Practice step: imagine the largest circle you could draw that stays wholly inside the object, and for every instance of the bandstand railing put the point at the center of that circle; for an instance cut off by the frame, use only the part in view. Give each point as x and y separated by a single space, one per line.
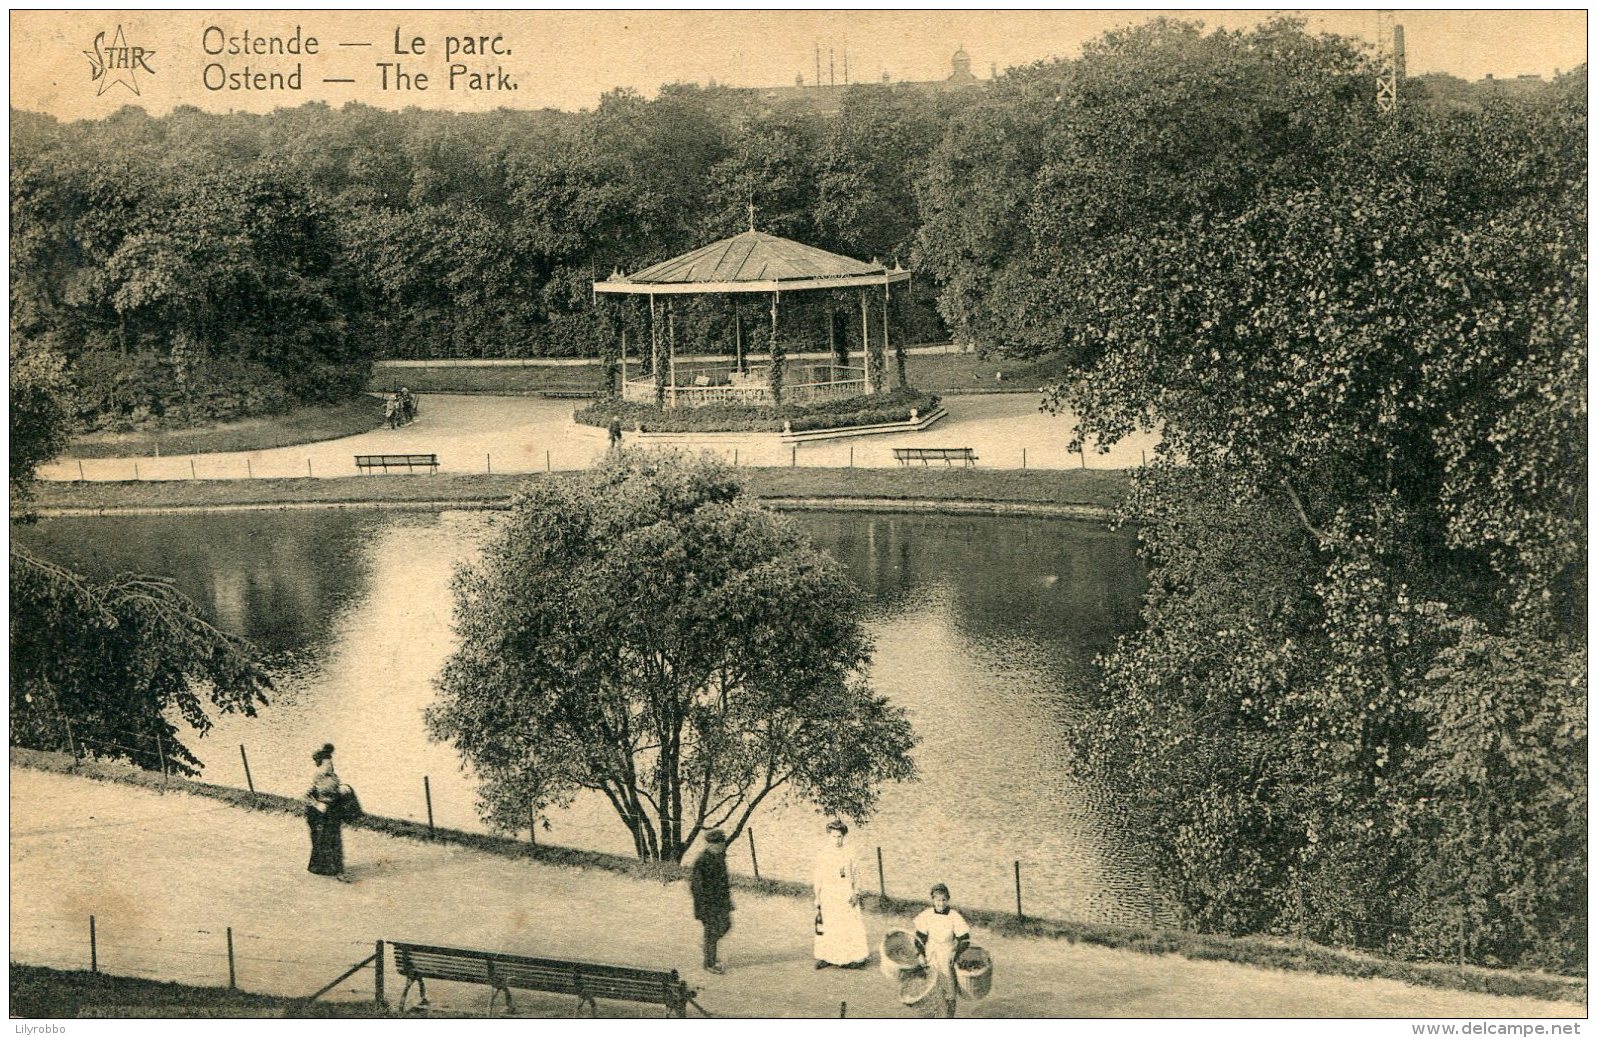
752 389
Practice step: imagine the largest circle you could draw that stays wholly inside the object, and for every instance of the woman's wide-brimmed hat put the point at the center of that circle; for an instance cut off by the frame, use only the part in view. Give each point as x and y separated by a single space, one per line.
322 754
716 837
837 825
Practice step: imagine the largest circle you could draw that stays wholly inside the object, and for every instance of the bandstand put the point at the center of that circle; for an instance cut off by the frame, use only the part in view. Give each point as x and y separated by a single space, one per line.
754 262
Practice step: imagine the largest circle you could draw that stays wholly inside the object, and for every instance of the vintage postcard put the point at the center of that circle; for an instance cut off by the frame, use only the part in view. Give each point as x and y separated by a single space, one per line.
799 515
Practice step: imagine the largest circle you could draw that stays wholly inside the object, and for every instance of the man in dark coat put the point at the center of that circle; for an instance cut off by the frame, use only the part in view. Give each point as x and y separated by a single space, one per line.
712 896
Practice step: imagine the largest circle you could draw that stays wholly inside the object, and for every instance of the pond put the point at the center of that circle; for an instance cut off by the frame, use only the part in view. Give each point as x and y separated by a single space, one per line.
985 632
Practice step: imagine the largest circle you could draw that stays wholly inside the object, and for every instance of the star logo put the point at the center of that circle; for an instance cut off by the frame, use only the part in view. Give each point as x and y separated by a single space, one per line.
117 63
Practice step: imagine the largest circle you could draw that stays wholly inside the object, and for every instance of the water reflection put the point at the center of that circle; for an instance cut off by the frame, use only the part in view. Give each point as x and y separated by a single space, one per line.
985 631
277 578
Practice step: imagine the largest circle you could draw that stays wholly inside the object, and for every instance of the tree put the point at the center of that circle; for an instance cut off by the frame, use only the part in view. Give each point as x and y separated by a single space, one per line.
41 414
1063 160
1363 654
646 632
115 660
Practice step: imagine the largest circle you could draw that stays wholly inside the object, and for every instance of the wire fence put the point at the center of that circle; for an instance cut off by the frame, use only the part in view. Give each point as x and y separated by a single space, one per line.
1140 906
204 956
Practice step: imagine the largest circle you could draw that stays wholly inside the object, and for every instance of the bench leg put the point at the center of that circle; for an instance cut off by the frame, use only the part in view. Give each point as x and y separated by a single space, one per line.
421 987
587 1000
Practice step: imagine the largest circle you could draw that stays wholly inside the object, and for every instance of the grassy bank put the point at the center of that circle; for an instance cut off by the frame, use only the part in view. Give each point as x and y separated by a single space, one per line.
498 379
1273 953
1094 489
39 992
928 372
301 425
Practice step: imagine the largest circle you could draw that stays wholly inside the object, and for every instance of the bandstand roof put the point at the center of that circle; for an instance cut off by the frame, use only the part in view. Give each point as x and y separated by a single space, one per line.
752 262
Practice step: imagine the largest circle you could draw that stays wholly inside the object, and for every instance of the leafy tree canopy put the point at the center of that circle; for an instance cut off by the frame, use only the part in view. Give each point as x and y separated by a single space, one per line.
105 666
646 632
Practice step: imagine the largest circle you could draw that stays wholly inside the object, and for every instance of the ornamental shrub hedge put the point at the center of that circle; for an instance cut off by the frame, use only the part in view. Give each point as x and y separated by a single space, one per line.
832 414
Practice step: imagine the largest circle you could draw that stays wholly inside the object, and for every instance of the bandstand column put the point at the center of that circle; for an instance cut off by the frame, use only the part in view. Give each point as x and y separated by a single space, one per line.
887 295
865 338
655 367
671 344
774 379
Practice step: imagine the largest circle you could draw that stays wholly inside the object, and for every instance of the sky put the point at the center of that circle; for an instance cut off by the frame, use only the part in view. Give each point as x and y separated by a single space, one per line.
63 65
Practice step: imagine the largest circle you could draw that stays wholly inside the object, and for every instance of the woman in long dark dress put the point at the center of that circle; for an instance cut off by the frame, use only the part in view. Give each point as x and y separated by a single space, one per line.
323 816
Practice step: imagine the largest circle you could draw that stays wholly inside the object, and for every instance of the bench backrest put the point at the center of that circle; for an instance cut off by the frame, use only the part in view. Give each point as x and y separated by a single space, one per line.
560 976
396 459
931 452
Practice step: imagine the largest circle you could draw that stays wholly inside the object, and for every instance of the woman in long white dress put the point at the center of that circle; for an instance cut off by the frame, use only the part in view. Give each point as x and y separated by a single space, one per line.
839 923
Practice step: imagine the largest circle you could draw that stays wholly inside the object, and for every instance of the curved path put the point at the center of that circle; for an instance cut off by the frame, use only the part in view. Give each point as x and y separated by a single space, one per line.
166 875
530 434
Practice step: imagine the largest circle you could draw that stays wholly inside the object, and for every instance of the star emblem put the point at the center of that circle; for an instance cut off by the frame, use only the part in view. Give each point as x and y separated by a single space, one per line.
117 63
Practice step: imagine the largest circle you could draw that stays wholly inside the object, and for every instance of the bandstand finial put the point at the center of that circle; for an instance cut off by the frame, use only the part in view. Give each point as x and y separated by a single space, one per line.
751 215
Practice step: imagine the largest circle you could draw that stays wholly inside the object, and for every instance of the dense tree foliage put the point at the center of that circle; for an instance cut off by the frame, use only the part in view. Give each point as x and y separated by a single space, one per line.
40 414
1357 709
102 667
220 265
646 632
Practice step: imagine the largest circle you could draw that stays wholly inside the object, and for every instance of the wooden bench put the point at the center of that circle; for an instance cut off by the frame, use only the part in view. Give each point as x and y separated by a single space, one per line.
570 394
925 455
589 981
408 462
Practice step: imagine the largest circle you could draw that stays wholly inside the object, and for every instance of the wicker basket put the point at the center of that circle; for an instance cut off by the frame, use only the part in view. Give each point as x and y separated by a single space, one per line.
973 973
917 986
899 956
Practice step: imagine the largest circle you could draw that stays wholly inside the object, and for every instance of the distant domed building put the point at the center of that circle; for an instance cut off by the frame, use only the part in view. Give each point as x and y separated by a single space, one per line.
962 74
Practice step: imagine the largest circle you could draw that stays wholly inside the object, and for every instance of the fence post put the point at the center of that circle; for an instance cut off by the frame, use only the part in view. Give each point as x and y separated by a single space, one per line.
881 875
548 466
1084 455
249 470
427 788
1020 916
160 749
377 986
842 1010
754 855
1022 457
72 744
490 464
249 780
1144 457
734 459
795 455
232 969
135 471
94 948
81 477
192 473
308 467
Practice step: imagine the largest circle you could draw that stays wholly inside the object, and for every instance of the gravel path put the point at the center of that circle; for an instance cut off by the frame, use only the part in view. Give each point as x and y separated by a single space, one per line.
530 434
165 875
